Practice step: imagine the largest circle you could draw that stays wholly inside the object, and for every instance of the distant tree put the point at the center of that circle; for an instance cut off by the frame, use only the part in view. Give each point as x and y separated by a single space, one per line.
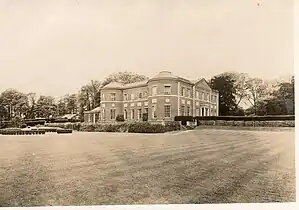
124 78
31 105
257 91
224 83
71 103
285 96
61 107
45 107
15 102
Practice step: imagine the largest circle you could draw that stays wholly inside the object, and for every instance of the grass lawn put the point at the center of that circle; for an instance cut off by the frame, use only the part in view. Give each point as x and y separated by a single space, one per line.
200 166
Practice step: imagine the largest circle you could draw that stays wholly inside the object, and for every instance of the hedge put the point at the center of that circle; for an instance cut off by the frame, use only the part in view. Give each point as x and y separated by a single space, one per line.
134 127
245 118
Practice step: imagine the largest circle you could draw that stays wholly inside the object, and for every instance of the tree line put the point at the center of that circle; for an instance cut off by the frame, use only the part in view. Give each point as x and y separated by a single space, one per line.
235 90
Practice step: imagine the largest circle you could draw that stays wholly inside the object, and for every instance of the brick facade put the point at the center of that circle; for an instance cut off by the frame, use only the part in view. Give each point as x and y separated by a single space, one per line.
162 97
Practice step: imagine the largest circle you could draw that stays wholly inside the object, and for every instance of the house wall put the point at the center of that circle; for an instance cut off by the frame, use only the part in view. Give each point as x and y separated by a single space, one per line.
198 103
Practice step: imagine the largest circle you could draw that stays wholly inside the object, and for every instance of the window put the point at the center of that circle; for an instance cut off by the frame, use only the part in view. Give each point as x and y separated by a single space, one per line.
132 114
188 111
112 95
125 114
112 113
132 96
167 110
182 91
167 89
125 97
145 94
202 96
103 114
154 111
154 90
140 95
188 93
182 110
208 97
139 114
103 97
197 95
146 110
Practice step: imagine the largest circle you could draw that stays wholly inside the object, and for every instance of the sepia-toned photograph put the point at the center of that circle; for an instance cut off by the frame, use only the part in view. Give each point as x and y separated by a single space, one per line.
126 102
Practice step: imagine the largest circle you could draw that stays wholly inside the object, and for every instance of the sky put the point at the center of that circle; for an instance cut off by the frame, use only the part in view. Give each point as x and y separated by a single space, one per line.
54 47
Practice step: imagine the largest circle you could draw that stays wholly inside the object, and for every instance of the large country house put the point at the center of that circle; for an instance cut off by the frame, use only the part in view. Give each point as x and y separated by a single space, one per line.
162 98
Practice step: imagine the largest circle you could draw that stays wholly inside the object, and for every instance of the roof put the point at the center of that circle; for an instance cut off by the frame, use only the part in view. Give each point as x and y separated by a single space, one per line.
97 109
68 116
135 84
115 85
164 74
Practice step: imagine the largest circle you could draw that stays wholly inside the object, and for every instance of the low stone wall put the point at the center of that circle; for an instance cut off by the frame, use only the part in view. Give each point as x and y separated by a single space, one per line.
282 123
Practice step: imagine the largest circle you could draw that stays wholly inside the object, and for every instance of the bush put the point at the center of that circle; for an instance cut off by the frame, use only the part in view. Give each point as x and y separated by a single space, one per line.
88 127
120 118
146 127
172 126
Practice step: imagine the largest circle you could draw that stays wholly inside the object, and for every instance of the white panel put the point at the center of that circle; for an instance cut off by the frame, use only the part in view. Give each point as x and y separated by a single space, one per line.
132 104
183 101
139 104
103 105
188 102
145 103
125 105
154 100
113 105
167 100
197 103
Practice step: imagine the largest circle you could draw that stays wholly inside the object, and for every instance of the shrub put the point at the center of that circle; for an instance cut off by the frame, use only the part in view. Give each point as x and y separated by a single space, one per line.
172 126
120 118
146 127
87 127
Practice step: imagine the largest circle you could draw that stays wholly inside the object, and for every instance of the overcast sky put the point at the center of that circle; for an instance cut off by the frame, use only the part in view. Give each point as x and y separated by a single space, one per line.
54 47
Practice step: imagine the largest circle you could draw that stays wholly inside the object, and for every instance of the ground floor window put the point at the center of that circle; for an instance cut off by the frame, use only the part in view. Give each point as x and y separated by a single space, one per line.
188 111
132 114
139 114
125 114
182 110
154 111
146 110
112 113
167 111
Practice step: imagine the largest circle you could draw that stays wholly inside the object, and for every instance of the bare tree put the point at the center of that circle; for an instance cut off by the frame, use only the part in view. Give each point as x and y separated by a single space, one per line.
257 91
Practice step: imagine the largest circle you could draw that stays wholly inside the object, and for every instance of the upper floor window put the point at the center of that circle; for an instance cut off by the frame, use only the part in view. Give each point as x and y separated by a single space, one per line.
197 95
145 94
140 95
103 97
132 96
207 97
202 96
113 96
167 89
188 93
125 97
183 91
154 90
